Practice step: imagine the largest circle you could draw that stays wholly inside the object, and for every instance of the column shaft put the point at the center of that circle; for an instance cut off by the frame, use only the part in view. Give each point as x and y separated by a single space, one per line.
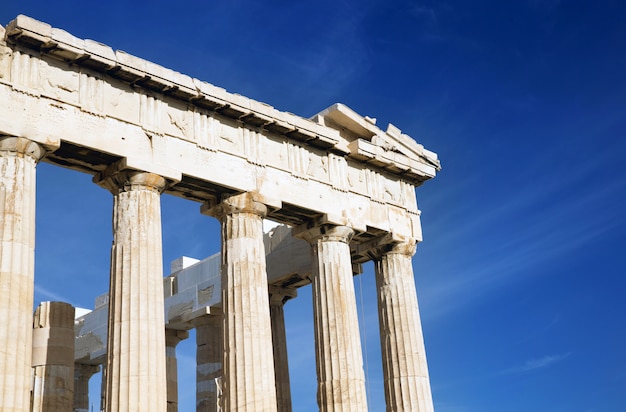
82 374
407 385
18 159
341 379
248 383
53 357
136 374
209 356
278 297
172 339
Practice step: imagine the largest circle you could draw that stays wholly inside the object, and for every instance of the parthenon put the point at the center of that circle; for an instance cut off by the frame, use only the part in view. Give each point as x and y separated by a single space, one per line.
341 188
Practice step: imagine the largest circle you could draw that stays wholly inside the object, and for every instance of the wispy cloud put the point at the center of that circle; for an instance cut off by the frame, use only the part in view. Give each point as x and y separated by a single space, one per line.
524 230
43 294
535 364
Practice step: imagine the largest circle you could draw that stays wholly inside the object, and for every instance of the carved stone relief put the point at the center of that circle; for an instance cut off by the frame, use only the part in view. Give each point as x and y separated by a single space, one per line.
25 73
205 130
91 94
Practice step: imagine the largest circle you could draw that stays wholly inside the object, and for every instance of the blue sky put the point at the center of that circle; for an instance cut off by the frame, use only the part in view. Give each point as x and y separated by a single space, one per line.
521 273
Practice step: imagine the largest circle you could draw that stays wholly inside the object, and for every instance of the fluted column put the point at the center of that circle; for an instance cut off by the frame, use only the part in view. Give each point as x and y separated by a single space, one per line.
340 375
53 357
278 297
209 357
407 386
18 159
136 374
248 383
172 338
82 374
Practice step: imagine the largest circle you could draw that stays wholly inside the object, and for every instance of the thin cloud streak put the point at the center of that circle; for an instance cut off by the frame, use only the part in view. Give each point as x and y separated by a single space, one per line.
539 363
41 292
547 235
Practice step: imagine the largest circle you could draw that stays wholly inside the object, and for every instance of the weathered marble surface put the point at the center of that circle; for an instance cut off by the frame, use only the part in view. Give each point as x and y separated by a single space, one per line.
136 373
172 338
278 298
248 380
340 374
337 164
18 159
142 129
407 385
209 357
53 357
82 374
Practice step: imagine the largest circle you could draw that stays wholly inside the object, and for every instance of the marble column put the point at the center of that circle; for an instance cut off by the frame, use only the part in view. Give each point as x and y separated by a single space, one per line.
136 374
407 386
172 338
340 375
82 374
209 356
103 388
18 159
53 357
278 297
248 382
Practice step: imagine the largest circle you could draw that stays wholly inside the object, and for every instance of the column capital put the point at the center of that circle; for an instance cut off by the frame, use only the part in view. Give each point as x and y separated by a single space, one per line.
119 181
174 336
85 370
246 202
326 232
389 243
405 248
215 316
22 146
279 296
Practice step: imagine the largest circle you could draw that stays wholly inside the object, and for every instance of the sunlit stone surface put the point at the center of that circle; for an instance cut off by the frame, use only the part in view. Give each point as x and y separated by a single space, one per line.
248 380
18 158
407 386
340 375
336 179
136 374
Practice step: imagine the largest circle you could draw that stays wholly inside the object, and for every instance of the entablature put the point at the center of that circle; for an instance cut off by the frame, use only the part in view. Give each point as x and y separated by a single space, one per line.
100 107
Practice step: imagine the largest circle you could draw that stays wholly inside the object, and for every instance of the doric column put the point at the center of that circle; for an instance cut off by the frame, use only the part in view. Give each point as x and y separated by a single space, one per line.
18 159
103 388
209 357
135 374
53 357
340 375
172 339
248 382
407 386
278 297
82 374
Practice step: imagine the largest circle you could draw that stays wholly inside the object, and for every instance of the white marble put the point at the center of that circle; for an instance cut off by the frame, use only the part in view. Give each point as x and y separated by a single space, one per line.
141 129
18 159
340 374
407 384
248 382
136 373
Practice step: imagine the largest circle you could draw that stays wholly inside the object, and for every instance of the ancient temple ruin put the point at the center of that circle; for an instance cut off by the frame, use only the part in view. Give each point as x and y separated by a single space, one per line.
344 188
